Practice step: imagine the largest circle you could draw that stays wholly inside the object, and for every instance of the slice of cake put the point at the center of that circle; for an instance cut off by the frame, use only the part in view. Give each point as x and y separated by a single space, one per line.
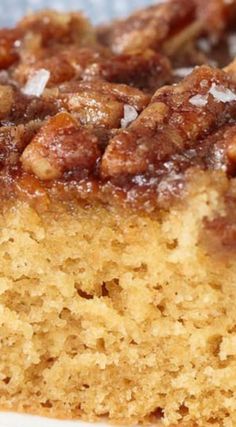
118 216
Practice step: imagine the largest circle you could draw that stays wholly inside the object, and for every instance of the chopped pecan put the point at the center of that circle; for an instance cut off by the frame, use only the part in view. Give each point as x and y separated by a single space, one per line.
60 145
9 39
95 108
146 70
230 141
147 28
59 68
170 26
217 13
100 103
231 70
183 40
26 108
55 27
13 140
124 93
6 100
63 65
217 151
44 37
210 19
174 121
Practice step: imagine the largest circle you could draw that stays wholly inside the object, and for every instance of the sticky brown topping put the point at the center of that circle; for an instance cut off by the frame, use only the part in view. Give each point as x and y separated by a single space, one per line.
148 28
119 112
60 145
168 26
175 120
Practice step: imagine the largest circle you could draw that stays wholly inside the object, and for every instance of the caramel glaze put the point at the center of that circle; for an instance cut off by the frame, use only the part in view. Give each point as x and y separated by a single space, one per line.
116 121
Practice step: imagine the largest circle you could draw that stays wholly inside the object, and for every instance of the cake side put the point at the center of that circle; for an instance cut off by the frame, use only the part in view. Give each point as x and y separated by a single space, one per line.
144 332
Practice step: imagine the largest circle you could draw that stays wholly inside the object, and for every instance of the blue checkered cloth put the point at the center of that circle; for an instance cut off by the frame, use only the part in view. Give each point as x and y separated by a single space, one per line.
97 10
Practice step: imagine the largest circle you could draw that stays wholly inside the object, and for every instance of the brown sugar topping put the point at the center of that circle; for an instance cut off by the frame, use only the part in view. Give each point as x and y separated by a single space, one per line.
60 145
119 112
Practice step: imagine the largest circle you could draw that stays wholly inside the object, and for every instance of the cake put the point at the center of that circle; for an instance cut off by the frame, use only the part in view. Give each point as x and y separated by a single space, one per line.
118 216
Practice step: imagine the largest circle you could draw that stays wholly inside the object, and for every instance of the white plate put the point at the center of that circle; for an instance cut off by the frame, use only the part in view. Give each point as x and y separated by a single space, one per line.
8 419
97 10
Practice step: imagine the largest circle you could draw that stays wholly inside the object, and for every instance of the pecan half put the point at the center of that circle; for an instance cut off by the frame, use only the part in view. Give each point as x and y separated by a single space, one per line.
60 145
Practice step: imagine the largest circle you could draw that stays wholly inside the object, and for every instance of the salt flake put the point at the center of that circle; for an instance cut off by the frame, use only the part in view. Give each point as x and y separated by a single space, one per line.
199 100
37 83
182 72
130 114
222 94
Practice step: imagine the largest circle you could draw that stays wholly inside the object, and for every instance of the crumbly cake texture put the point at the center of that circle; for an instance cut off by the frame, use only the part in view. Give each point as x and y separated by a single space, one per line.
117 221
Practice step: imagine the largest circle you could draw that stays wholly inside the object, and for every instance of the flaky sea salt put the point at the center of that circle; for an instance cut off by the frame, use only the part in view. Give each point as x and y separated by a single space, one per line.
199 100
182 72
37 83
130 114
221 93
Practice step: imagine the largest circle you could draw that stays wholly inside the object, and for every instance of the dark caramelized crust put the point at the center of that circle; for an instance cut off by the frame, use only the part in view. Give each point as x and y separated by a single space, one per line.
106 113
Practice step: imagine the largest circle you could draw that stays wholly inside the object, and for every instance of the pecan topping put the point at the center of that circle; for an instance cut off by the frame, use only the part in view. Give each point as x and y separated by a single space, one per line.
55 28
100 103
9 40
171 123
6 100
60 145
176 21
147 28
124 110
